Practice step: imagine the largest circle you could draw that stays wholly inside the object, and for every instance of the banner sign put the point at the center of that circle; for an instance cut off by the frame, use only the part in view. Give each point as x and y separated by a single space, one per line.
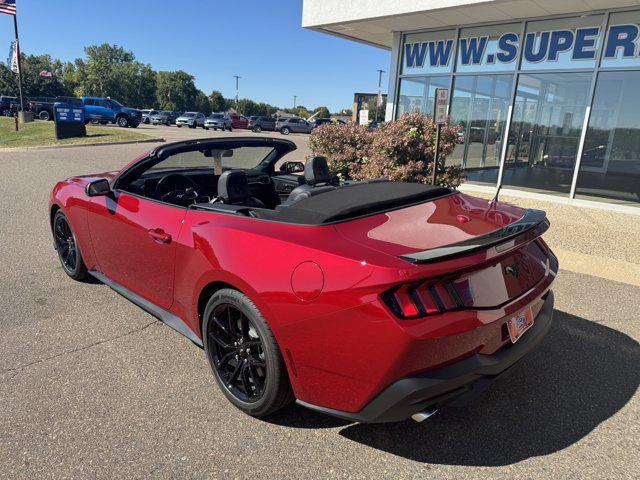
441 105
12 61
573 47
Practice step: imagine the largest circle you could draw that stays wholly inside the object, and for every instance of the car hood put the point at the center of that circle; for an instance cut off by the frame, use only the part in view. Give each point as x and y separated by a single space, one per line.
451 219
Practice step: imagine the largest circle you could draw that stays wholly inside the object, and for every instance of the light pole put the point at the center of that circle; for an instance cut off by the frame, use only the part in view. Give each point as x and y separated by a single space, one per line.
295 98
237 78
379 98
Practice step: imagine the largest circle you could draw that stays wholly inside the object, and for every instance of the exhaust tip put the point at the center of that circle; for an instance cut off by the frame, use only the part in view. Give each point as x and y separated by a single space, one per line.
422 416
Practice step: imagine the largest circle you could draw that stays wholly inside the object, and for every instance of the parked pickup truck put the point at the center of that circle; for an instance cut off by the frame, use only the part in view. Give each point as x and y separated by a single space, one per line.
107 110
42 107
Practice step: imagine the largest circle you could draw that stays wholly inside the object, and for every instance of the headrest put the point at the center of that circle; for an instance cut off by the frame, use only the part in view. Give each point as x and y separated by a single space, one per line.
316 171
233 187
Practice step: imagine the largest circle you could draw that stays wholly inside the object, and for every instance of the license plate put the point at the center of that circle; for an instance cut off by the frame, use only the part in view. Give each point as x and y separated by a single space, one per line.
519 324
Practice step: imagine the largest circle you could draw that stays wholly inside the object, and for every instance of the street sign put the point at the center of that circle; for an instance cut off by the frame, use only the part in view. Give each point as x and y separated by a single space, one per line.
441 105
364 117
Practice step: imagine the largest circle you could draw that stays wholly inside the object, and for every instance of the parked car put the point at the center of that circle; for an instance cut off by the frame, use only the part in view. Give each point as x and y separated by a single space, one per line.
293 125
253 118
324 121
107 110
191 119
217 121
147 114
239 121
262 123
164 117
7 105
343 296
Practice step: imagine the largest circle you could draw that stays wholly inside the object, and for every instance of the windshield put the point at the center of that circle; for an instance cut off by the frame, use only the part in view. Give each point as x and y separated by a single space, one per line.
239 157
217 115
117 104
154 112
188 114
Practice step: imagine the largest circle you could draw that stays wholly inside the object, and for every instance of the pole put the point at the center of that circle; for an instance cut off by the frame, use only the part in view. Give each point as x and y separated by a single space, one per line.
15 26
295 97
379 98
436 155
237 84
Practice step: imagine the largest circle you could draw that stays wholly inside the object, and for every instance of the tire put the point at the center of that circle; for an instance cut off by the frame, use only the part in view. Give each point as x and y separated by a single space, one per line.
257 129
146 121
285 131
44 115
178 125
67 248
262 371
230 128
206 128
193 125
122 121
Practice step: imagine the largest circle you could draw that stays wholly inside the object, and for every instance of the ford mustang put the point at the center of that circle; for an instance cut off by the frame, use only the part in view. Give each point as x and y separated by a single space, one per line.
373 301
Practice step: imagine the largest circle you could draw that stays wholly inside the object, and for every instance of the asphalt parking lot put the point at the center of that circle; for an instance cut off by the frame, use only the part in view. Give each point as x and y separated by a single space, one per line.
93 387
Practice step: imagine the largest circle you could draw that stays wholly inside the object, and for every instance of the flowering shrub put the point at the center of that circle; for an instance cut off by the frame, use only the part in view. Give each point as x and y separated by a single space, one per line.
346 146
400 150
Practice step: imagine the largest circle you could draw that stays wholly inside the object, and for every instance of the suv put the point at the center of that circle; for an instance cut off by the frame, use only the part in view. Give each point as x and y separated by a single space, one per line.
163 118
106 110
296 125
191 119
262 123
146 115
217 121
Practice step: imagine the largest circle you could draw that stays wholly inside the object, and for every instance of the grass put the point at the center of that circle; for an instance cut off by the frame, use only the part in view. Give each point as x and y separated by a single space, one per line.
41 133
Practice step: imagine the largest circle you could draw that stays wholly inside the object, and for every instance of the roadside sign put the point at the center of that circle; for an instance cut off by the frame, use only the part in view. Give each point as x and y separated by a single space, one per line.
364 117
441 105
69 120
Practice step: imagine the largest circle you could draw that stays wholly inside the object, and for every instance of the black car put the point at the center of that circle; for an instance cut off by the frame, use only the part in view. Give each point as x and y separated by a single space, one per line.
262 123
7 105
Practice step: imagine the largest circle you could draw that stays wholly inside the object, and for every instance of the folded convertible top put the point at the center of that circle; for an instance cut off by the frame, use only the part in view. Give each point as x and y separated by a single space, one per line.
360 199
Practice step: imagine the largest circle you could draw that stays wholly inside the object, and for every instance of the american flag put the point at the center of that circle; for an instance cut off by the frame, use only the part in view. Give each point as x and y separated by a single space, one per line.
8 7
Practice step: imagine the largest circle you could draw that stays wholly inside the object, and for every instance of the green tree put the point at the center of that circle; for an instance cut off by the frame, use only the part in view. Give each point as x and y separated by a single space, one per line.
8 81
176 91
322 112
218 102
248 107
202 103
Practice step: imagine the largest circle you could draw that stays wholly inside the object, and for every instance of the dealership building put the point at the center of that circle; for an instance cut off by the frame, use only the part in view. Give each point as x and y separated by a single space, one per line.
547 92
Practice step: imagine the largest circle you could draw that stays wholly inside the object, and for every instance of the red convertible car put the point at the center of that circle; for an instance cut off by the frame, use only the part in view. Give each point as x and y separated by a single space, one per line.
374 301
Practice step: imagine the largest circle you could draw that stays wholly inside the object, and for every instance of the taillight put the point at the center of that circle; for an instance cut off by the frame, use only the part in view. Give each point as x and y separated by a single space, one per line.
421 300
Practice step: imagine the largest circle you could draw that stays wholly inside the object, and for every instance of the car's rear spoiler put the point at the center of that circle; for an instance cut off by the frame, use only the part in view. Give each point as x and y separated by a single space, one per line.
532 224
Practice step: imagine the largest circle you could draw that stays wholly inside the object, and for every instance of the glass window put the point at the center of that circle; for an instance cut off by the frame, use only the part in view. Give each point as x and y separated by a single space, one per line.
563 43
417 94
545 132
430 52
622 48
480 104
610 165
489 49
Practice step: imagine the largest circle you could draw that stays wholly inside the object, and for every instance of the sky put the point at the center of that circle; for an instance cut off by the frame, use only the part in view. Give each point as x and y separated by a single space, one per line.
262 41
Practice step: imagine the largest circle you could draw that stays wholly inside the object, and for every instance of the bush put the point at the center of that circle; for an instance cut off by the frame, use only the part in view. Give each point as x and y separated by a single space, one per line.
346 146
400 150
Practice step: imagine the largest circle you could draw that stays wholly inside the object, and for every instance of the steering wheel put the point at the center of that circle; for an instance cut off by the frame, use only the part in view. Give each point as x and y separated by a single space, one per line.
176 188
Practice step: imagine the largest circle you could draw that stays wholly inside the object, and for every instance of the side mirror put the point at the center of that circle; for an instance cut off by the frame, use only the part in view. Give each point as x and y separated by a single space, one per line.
98 188
292 167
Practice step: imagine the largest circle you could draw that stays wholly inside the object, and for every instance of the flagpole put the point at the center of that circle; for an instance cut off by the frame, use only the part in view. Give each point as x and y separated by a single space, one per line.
15 26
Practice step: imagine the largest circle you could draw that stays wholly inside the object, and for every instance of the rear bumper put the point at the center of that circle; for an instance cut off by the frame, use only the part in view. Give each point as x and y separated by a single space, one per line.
459 381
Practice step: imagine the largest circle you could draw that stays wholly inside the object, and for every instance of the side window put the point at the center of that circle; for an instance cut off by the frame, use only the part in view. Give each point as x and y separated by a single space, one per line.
89 101
104 103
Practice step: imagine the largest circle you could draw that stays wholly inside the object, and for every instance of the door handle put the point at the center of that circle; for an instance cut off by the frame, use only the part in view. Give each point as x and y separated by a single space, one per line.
159 235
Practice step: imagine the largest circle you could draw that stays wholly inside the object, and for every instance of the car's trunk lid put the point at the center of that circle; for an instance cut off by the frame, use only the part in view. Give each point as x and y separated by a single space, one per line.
444 232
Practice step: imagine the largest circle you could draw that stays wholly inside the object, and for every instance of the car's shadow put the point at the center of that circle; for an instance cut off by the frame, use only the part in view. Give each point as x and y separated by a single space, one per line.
580 375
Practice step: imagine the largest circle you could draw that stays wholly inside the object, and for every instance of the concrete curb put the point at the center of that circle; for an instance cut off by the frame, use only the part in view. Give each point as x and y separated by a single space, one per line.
94 144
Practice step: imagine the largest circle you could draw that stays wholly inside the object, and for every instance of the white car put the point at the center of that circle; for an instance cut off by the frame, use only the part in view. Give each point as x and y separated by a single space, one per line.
191 119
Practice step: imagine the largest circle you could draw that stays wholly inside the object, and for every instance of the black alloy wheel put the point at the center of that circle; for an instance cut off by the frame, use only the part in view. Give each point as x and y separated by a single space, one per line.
237 353
67 248
244 355
44 115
